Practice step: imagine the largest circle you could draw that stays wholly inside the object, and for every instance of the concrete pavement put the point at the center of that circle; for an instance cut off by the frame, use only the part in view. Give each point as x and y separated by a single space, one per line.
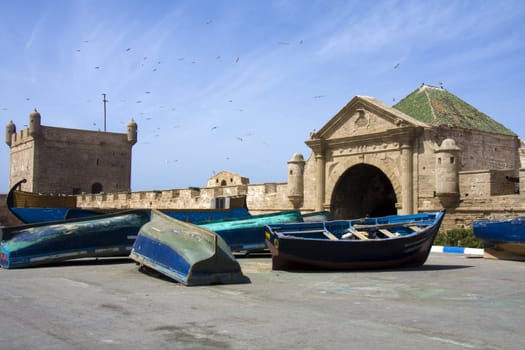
452 302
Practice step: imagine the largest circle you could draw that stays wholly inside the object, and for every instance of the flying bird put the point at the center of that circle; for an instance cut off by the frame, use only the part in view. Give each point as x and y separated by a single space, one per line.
128 49
239 138
237 60
397 65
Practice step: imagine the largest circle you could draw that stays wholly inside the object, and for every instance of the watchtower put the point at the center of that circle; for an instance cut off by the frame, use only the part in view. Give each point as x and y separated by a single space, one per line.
69 161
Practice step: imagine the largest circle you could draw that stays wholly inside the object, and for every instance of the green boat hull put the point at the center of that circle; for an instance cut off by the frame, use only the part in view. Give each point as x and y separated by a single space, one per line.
185 252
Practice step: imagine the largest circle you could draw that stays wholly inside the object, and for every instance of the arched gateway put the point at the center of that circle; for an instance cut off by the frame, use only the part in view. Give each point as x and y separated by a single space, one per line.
363 190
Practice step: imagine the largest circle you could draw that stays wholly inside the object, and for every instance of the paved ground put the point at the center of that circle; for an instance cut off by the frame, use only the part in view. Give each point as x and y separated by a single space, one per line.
450 303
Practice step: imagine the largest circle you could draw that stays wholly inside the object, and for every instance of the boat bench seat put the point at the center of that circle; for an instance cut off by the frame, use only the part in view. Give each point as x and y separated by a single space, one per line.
358 234
330 235
386 233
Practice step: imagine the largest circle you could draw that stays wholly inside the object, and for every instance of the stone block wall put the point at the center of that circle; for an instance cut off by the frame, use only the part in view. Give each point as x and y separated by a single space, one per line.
483 183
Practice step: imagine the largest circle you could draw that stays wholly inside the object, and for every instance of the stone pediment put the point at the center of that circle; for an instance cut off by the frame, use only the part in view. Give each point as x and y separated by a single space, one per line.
365 116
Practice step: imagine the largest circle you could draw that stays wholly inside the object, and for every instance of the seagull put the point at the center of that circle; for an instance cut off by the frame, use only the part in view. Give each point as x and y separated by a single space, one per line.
239 138
318 96
128 49
237 60
396 66
213 128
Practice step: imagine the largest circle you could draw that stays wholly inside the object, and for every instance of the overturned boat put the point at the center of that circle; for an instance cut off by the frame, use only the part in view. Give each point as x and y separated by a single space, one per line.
96 236
184 252
502 238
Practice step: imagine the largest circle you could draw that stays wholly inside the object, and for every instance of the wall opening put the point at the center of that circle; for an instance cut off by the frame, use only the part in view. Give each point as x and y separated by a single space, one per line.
363 190
96 187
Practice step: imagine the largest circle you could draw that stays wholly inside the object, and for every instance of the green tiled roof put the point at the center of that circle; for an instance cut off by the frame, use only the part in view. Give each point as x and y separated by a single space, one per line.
437 106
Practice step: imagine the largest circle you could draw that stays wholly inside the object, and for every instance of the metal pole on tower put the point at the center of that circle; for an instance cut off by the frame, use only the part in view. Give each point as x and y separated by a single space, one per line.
104 100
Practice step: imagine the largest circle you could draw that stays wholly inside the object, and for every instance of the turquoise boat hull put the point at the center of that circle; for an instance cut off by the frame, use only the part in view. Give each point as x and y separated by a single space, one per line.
185 252
247 234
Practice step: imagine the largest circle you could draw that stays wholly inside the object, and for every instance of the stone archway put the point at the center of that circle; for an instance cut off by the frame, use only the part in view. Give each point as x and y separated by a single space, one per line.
363 190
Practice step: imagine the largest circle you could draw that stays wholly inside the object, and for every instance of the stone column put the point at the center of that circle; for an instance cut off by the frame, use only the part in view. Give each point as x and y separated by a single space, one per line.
317 145
320 165
407 185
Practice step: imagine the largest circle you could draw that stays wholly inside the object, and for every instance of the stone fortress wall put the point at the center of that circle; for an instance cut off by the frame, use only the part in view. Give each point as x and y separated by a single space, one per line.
368 158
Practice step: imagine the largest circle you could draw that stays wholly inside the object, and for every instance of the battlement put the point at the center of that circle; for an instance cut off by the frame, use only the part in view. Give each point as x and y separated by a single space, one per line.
20 137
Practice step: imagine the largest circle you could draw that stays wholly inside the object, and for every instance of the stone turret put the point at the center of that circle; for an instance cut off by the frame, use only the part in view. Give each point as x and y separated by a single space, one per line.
296 180
447 173
10 130
132 132
34 123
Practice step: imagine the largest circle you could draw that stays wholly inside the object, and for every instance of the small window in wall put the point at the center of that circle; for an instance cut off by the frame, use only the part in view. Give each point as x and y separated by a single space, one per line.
223 183
221 203
76 190
96 187
451 160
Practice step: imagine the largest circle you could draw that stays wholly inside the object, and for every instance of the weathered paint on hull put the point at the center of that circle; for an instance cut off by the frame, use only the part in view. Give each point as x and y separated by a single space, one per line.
100 236
185 252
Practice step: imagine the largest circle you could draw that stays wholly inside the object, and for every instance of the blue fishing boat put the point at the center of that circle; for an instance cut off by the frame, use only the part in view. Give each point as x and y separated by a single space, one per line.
96 236
369 243
247 234
31 208
184 252
503 238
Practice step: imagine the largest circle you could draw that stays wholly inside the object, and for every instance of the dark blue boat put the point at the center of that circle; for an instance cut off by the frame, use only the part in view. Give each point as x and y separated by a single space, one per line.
506 235
369 243
96 236
187 253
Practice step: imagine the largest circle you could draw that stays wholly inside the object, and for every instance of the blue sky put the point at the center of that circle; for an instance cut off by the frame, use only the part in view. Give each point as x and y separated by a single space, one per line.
238 85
